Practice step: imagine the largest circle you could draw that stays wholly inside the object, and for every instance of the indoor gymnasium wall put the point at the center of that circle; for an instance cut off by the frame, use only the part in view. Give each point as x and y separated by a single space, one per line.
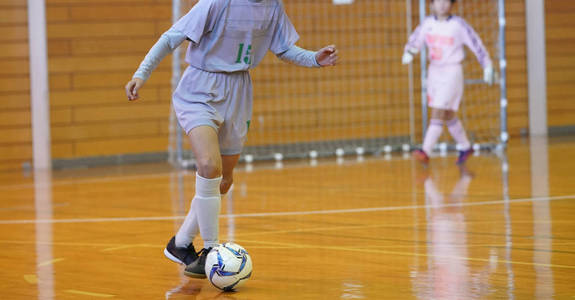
15 132
96 45
560 25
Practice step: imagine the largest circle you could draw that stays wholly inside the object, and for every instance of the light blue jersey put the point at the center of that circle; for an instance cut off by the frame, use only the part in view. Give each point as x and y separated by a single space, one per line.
228 37
235 35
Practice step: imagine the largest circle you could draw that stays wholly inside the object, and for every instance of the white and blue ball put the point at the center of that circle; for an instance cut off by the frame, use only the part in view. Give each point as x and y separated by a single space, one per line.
228 266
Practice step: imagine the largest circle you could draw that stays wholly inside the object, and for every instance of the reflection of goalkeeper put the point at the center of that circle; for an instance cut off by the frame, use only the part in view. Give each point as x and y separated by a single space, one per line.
448 274
445 35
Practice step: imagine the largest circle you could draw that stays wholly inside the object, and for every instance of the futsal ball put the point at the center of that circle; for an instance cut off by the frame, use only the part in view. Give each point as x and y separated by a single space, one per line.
228 266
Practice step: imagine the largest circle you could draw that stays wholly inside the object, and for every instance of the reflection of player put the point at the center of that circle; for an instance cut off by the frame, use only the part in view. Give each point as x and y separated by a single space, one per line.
185 287
444 35
192 289
449 275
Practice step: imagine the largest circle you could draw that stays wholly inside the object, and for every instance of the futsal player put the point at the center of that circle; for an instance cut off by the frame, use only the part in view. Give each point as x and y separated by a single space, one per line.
213 100
445 35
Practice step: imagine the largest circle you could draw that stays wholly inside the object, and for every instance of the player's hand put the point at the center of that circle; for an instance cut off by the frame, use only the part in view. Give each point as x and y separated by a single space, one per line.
407 58
327 56
132 88
488 75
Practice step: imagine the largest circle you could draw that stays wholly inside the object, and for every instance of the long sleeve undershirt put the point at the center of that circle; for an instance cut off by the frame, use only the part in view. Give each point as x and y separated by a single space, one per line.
300 57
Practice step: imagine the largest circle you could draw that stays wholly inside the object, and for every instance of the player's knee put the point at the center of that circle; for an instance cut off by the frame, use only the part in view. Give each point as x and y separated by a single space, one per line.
226 185
209 167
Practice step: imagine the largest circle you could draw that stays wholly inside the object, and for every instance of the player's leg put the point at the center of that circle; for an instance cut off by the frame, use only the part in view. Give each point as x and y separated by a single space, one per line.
229 162
432 134
233 132
207 202
204 210
205 146
454 125
458 133
437 97
231 135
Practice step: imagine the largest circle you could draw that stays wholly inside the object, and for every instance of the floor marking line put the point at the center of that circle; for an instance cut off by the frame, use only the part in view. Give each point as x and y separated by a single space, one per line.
50 262
31 278
295 213
406 254
84 293
129 246
63 243
119 248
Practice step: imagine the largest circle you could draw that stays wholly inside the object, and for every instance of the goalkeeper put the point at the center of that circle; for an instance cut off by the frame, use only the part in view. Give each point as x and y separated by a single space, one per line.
444 35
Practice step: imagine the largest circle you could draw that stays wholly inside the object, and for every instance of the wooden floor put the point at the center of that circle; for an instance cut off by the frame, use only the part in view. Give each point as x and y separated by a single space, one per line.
377 228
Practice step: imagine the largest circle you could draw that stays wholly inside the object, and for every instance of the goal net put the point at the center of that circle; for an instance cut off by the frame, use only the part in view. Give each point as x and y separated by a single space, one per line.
370 103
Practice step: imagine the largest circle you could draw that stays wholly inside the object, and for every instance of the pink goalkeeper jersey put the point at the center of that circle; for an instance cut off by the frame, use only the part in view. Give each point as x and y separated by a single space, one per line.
445 40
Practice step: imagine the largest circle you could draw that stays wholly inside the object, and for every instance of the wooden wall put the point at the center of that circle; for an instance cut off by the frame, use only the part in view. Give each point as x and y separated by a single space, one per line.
96 45
560 34
15 133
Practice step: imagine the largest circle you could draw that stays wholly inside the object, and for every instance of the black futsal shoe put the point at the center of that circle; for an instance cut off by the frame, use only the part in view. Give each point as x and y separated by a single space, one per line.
181 255
197 268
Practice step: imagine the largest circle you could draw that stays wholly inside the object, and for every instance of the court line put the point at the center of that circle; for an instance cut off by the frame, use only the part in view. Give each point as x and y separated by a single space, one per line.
114 247
84 293
117 246
129 246
50 262
390 226
31 278
294 213
400 253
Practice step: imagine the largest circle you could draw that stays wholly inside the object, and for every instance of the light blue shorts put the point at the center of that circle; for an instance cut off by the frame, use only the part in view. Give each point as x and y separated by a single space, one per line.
222 101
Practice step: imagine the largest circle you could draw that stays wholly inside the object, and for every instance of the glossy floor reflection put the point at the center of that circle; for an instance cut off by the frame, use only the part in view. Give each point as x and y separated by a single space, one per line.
367 228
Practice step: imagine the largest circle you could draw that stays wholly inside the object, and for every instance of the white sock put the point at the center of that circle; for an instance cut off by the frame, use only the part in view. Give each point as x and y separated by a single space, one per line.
203 215
208 204
432 135
189 228
458 133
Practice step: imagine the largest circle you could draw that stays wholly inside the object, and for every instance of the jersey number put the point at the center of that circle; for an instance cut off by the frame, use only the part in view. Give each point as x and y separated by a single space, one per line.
244 57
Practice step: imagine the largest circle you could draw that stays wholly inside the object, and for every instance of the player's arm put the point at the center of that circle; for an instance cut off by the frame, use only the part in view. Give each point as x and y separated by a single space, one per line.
283 44
414 44
324 57
472 40
169 41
